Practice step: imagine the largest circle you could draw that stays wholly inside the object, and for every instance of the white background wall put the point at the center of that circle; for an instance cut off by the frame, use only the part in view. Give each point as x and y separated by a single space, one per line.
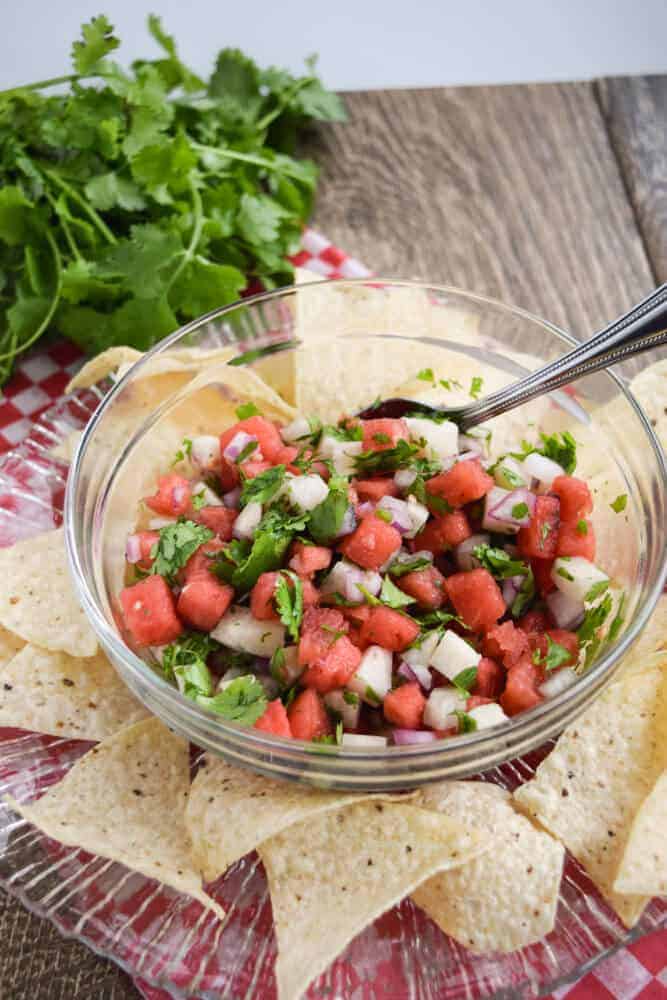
363 43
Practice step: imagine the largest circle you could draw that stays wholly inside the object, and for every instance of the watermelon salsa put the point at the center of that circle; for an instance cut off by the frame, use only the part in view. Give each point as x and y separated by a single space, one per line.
371 582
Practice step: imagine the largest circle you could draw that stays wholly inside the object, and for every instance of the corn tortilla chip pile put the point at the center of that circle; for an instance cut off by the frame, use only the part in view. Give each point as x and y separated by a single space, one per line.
501 900
644 865
125 800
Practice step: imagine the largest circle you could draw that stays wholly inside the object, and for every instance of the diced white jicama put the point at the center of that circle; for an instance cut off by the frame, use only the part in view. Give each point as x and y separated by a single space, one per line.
299 428
239 630
158 652
543 469
464 551
306 492
346 578
418 515
206 494
349 710
420 656
495 496
558 682
357 740
508 473
452 655
205 451
289 670
372 680
157 523
442 438
487 715
440 707
404 478
578 578
477 439
246 523
342 455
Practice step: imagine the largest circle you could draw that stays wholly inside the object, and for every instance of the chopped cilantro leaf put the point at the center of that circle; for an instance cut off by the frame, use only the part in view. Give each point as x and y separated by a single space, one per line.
339 732
466 722
447 383
409 566
499 564
177 542
350 698
519 510
399 457
243 701
242 562
564 573
246 410
348 432
561 449
582 527
185 451
263 487
436 618
384 515
326 519
189 650
289 602
555 656
277 665
525 595
198 501
475 386
336 633
392 596
426 375
437 504
381 438
620 503
594 618
246 452
617 621
465 680
371 695
595 591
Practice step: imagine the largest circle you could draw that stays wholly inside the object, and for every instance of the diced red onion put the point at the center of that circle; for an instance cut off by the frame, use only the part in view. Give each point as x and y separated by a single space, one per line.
511 588
463 551
404 478
418 673
233 498
240 441
407 737
400 513
133 549
261 664
502 509
344 579
366 508
348 524
566 612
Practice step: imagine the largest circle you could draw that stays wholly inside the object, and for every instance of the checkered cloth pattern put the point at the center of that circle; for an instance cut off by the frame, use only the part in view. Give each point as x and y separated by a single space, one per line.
638 972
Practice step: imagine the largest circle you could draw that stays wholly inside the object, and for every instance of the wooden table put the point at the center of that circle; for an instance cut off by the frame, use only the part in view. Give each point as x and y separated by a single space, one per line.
551 197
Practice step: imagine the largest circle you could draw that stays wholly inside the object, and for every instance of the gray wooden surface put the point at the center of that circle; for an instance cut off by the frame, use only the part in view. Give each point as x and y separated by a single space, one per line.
552 197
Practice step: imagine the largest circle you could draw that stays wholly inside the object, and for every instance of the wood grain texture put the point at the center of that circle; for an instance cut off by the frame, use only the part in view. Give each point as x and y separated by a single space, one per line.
37 963
635 112
510 191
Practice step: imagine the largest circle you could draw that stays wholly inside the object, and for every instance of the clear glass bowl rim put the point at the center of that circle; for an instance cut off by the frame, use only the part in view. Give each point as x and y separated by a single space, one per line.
298 751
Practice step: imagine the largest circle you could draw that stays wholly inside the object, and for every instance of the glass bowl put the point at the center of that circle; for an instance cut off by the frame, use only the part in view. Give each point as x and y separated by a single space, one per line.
329 340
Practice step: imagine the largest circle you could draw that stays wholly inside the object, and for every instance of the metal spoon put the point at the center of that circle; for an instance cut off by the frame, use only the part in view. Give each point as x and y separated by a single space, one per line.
640 329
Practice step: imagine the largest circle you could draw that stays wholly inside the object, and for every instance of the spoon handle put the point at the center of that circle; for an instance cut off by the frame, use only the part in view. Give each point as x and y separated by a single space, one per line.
643 327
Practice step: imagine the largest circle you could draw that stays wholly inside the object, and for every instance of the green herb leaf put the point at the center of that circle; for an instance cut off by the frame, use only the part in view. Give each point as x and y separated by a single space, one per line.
350 698
555 656
499 564
289 602
246 410
582 527
426 375
465 681
263 488
620 503
392 596
242 562
246 452
409 566
594 619
466 722
598 588
243 701
326 519
369 463
561 449
476 386
198 500
98 41
183 452
519 510
177 542
383 515
617 621
525 596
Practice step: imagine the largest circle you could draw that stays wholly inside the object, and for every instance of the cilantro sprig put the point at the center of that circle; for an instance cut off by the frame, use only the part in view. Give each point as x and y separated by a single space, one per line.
288 596
177 542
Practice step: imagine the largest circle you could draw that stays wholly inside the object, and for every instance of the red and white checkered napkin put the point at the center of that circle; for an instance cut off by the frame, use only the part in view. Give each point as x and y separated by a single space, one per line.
638 972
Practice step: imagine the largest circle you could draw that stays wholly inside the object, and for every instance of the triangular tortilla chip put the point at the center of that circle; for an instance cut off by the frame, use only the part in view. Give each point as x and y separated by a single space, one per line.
124 800
37 599
590 788
102 365
502 900
10 645
333 874
644 865
81 699
650 389
231 811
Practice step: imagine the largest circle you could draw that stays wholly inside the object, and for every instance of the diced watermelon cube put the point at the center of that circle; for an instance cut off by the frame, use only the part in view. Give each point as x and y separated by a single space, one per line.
268 437
308 717
199 563
542 574
533 621
427 586
538 538
521 687
575 497
219 520
443 532
252 468
379 435
374 489
334 667
173 496
475 700
149 612
275 720
463 483
229 475
203 601
309 559
476 597
389 629
490 679
506 643
572 542
286 456
404 706
372 543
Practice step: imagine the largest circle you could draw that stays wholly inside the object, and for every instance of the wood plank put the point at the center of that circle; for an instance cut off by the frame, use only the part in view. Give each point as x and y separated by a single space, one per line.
510 191
635 111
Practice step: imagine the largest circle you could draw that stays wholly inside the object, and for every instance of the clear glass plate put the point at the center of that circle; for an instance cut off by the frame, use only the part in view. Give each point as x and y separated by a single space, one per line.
172 942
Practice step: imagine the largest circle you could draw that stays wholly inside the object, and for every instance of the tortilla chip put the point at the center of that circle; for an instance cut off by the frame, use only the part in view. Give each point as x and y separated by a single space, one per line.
124 800
231 811
102 365
590 788
10 644
644 865
653 637
502 900
333 874
81 699
65 449
37 599
650 390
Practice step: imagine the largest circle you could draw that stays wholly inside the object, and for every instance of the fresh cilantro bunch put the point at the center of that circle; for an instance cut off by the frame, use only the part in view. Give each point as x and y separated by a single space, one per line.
135 200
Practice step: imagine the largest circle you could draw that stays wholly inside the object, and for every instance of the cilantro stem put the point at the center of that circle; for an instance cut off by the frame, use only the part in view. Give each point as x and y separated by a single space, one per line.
284 101
57 261
83 204
71 242
52 82
258 161
198 213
